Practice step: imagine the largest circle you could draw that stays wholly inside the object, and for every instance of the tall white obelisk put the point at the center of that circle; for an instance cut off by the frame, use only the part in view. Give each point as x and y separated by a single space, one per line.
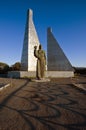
28 61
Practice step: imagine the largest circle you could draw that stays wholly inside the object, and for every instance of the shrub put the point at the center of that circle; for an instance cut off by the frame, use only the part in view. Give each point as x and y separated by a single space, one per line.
80 70
4 68
16 66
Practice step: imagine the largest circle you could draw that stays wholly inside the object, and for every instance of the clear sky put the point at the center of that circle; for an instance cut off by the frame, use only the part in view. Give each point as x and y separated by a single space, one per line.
66 17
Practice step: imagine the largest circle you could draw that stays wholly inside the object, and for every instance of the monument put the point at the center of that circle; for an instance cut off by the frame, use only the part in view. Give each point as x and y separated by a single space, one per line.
28 61
58 64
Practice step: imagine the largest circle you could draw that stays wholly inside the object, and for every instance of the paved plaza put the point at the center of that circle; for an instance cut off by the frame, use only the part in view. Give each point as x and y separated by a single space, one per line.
54 105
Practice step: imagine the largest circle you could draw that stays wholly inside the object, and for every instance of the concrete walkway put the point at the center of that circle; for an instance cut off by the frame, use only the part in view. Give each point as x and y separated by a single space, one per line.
55 105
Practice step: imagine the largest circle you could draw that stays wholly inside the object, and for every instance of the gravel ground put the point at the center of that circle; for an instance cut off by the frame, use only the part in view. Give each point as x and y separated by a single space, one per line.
54 105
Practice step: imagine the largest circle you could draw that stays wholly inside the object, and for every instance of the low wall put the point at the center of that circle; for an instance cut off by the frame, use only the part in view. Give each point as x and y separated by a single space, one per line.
30 74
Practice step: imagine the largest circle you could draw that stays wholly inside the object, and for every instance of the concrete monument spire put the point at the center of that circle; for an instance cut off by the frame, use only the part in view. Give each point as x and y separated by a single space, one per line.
28 61
57 60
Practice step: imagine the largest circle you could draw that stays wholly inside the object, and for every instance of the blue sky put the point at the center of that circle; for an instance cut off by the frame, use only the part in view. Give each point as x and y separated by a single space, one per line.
66 17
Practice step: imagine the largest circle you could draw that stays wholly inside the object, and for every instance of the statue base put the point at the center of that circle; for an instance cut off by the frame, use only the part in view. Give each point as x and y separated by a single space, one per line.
41 80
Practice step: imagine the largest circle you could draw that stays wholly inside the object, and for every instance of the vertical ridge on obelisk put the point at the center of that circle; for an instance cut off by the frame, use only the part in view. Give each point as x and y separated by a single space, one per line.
28 61
57 60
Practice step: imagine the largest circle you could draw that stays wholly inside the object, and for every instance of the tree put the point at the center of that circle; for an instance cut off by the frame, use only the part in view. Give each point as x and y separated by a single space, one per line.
4 68
16 66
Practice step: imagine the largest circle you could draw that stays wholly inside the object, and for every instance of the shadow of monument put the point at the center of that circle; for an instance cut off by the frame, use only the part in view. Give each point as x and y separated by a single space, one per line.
10 95
48 106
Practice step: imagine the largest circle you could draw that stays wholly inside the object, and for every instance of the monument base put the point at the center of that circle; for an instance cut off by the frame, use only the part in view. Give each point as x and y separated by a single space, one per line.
59 74
32 74
21 74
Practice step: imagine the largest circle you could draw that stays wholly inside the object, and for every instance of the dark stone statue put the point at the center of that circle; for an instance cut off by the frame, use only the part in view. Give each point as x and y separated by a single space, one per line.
41 62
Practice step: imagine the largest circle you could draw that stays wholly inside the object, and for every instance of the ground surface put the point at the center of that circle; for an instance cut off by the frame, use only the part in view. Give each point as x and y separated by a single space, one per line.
55 105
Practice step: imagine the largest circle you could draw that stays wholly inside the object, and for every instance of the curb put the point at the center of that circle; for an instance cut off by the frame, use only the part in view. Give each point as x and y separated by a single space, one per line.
4 86
80 86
